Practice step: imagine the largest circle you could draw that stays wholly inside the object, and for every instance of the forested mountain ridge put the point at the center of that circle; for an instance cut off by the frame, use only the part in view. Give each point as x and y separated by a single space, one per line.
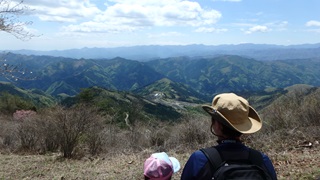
203 75
236 73
69 76
12 98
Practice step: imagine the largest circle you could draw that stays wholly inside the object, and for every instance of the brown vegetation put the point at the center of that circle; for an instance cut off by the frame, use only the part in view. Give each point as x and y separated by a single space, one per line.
78 143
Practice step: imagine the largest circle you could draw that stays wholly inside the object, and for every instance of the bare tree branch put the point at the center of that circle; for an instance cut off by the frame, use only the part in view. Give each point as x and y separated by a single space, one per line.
10 12
9 19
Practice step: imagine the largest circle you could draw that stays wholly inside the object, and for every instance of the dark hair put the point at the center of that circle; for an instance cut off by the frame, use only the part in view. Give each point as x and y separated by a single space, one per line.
227 130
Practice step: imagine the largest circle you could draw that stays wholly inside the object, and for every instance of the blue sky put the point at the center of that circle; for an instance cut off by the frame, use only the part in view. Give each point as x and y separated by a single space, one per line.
68 24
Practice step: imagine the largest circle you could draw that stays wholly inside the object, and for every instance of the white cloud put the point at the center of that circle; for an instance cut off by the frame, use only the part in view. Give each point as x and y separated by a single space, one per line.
122 15
257 28
164 14
313 23
210 30
62 10
314 30
278 25
249 28
98 27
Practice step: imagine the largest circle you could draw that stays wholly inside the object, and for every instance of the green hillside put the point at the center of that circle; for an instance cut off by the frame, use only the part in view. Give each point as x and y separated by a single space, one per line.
118 104
13 98
72 75
199 77
167 89
238 74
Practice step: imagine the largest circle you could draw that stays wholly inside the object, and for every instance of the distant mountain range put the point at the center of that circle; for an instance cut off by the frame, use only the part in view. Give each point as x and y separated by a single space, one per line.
163 88
181 78
145 53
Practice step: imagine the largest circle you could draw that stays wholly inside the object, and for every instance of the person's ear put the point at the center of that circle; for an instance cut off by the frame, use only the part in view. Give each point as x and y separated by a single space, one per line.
219 126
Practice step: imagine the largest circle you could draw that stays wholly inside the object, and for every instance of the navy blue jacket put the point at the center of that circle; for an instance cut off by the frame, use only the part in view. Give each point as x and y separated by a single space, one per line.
198 167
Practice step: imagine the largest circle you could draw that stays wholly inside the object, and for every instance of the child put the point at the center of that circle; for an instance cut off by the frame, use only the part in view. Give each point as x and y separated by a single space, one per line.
159 166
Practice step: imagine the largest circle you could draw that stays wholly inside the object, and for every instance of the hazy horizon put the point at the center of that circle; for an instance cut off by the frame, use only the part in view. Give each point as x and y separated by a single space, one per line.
75 24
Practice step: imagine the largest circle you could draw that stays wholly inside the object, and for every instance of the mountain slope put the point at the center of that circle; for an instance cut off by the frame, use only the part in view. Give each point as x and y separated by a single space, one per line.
31 98
167 89
72 75
238 74
206 76
119 104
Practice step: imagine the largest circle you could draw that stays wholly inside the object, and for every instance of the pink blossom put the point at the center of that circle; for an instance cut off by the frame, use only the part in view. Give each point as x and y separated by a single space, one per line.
23 114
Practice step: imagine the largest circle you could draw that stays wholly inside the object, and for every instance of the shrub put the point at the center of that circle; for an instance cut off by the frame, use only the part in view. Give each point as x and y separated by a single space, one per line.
310 109
72 125
159 136
49 132
192 132
94 137
295 109
29 134
8 133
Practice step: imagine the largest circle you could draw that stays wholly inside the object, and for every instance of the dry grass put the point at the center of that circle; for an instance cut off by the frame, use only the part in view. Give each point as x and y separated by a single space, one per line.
301 163
123 159
117 166
296 164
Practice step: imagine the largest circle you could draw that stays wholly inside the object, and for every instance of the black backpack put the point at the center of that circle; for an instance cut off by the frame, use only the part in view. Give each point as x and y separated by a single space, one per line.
247 165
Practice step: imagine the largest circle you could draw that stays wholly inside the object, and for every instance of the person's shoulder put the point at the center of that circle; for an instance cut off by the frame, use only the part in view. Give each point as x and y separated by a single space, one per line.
194 165
268 164
197 157
265 156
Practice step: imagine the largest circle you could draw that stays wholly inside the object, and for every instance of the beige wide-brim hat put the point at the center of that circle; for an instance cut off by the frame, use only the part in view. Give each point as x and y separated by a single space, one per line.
235 112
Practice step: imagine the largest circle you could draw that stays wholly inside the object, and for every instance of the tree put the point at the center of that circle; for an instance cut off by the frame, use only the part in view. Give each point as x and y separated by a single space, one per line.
9 19
10 23
10 103
73 125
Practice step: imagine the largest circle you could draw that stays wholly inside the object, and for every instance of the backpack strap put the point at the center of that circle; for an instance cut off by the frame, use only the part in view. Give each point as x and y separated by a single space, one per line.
213 156
215 159
256 157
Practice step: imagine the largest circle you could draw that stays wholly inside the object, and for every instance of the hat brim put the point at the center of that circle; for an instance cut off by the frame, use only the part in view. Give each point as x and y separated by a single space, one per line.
175 164
251 125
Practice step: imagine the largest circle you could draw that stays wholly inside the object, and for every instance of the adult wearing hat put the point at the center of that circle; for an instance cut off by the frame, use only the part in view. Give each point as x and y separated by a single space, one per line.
231 116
